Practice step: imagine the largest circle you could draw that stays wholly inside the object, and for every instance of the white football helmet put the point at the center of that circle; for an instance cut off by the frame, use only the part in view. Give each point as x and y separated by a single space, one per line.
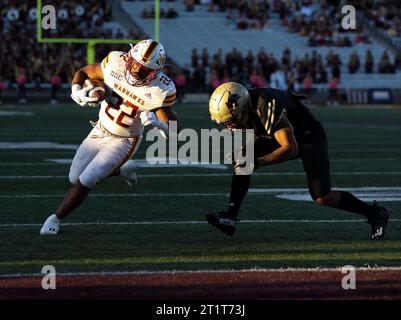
144 61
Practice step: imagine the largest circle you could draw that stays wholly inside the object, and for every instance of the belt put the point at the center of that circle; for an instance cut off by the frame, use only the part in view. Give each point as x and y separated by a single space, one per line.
98 125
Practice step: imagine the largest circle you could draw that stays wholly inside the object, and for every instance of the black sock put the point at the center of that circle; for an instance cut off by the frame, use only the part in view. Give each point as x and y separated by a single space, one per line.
239 188
350 203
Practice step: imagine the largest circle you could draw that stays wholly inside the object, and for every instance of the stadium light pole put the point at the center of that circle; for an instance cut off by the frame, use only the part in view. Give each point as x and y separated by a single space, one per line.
90 42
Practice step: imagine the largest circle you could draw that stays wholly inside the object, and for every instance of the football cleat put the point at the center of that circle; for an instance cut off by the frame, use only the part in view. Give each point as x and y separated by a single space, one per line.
379 222
128 172
222 221
51 225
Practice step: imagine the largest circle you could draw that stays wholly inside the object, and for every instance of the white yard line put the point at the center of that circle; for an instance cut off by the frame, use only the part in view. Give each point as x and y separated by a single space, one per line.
393 192
111 195
175 272
177 175
37 145
194 222
9 113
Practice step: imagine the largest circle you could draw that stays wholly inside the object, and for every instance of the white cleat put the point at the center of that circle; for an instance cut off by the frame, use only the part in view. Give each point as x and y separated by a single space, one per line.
51 225
128 172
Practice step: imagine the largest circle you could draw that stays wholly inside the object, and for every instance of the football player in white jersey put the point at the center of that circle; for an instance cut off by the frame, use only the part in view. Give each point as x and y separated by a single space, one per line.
138 93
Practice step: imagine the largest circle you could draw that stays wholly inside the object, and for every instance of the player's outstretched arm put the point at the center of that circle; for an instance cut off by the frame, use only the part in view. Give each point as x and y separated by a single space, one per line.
288 149
79 94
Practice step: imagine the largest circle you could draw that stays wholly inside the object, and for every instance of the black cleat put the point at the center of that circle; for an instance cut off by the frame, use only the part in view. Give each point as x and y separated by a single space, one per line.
222 221
379 222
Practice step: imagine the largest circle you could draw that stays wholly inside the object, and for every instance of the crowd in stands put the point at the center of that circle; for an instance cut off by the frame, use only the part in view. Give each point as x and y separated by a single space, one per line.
382 14
165 13
24 60
259 69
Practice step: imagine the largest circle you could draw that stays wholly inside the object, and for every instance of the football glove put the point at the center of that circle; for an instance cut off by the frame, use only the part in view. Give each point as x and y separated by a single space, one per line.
79 95
149 118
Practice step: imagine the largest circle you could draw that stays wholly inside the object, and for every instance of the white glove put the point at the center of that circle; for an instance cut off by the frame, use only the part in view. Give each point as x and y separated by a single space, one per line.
148 117
79 95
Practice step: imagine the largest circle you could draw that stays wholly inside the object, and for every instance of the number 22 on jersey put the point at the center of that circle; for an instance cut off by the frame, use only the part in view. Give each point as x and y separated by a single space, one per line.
121 110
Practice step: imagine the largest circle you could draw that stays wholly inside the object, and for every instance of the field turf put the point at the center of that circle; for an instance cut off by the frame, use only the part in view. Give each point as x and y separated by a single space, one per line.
159 224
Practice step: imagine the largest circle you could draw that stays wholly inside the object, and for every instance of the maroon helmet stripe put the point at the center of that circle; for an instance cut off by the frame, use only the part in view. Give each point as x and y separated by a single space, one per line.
149 51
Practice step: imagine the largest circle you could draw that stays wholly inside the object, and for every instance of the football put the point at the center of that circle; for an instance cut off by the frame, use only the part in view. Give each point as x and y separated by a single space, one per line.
99 89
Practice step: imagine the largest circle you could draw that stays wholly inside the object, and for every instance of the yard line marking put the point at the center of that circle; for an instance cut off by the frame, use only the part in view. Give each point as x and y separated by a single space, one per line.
177 175
388 194
110 195
37 145
173 272
144 163
33 177
361 196
352 189
14 151
363 150
377 191
195 222
13 164
15 113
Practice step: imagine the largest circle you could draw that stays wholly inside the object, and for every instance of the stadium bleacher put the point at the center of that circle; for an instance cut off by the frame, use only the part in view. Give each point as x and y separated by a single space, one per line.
203 29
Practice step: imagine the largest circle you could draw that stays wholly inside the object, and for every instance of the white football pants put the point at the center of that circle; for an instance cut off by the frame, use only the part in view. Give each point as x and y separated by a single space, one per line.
99 155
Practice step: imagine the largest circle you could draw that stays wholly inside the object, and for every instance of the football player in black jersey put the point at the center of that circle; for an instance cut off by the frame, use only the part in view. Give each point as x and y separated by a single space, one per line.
284 129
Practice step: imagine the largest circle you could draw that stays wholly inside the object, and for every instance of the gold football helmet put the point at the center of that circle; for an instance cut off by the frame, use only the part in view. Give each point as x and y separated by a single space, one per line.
229 105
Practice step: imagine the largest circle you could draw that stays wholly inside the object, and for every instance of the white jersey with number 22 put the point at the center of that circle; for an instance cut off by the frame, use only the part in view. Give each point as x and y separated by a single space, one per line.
119 111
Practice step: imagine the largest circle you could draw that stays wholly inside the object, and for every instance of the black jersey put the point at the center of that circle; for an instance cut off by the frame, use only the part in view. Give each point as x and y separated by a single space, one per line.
269 105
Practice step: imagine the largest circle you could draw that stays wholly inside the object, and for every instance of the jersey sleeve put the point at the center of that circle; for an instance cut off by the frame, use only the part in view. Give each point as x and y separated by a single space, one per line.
271 112
110 60
171 96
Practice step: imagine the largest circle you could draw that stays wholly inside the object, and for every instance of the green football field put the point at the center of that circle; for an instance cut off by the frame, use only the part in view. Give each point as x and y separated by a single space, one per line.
159 224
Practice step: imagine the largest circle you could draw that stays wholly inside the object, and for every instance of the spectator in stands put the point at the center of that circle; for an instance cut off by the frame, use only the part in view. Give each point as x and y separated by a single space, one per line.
181 84
249 61
171 13
286 58
205 58
162 14
256 79
242 23
321 75
189 5
146 14
353 64
214 81
369 62
55 82
277 79
194 58
397 60
2 87
199 79
308 84
385 66
291 79
21 81
333 92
